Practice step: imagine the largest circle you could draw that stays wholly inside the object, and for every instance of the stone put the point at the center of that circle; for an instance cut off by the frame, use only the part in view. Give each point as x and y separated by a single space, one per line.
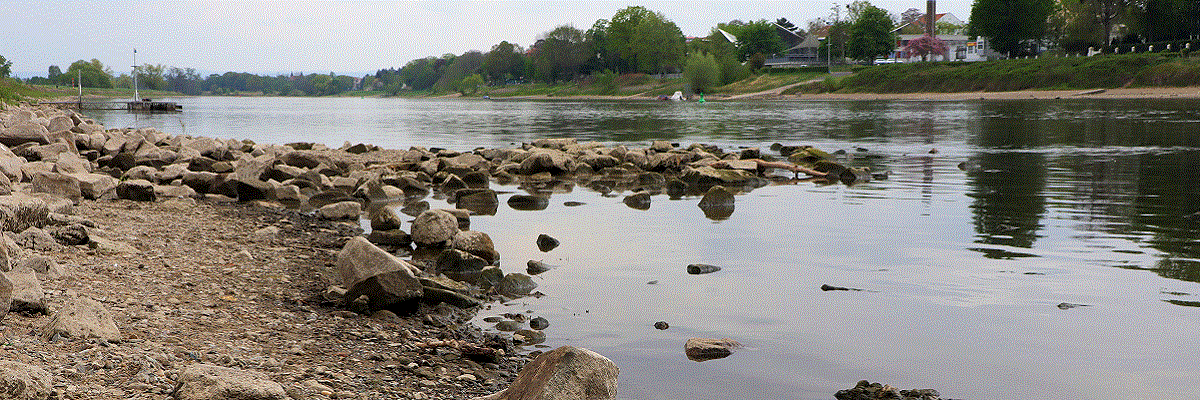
200 181
266 234
45 267
384 219
460 265
141 172
539 323
697 269
705 177
249 189
478 244
19 381
27 294
71 163
6 295
95 186
565 373
26 132
69 235
340 210
435 295
391 238
527 202
545 160
661 325
717 197
82 318
136 190
301 159
212 382
534 267
56 184
516 284
526 336
434 228
35 238
368 270
866 390
638 201
546 243
702 349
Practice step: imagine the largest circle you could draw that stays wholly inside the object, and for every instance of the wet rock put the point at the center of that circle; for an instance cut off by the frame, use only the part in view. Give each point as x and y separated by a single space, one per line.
526 336
705 177
435 295
865 390
509 325
534 267
136 190
676 188
717 196
527 202
661 325
370 271
340 210
328 197
384 219
516 284
19 381
539 323
697 269
434 228
1068 306
828 287
703 349
415 208
546 243
638 201
211 382
82 318
565 373
478 244
573 203
391 238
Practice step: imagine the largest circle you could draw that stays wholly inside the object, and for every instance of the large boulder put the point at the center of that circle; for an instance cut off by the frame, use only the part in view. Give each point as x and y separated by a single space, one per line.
546 160
704 349
433 228
27 294
25 132
211 382
565 373
19 381
368 270
95 186
57 184
516 284
384 219
82 318
136 190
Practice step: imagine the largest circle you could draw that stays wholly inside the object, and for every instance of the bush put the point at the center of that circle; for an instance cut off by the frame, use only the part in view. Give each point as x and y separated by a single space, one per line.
606 81
702 73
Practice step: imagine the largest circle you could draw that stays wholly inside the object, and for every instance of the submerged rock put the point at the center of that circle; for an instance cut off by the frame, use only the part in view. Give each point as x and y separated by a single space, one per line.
704 349
534 267
638 201
865 390
697 269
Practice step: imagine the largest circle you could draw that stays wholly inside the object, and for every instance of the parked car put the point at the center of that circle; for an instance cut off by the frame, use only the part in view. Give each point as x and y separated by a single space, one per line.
885 60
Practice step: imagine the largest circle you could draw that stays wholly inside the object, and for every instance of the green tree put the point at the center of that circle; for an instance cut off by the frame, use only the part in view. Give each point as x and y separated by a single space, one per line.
151 76
620 35
757 37
658 44
1165 20
504 62
1008 24
834 45
470 85
462 67
5 67
871 35
54 73
559 54
91 73
702 72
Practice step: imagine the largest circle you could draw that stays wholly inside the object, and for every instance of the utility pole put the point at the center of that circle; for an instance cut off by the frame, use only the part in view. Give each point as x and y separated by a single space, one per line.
135 87
837 18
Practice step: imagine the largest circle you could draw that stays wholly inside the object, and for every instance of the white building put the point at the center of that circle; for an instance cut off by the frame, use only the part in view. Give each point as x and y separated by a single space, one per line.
959 46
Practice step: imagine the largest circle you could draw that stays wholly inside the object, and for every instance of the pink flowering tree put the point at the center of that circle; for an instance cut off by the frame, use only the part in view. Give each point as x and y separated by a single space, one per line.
926 45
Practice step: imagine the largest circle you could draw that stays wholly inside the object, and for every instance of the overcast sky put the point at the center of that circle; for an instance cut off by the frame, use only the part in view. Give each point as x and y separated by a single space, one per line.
335 36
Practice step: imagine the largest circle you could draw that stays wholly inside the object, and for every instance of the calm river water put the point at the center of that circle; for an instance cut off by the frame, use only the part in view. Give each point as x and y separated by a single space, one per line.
964 254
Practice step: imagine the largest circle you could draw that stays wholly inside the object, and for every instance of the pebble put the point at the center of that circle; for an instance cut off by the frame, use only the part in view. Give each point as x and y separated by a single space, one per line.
661 325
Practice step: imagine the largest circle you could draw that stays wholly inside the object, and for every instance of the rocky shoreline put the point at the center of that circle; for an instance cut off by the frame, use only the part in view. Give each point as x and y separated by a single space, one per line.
144 265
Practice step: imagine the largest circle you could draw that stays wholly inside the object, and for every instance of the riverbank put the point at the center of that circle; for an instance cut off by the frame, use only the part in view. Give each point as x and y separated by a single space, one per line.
1191 92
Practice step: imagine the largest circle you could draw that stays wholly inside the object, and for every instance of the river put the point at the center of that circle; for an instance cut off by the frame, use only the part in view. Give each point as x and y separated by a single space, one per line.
993 214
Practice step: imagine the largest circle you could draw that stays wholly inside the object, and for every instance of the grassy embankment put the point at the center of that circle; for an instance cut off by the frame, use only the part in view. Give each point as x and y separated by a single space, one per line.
13 92
1047 73
640 85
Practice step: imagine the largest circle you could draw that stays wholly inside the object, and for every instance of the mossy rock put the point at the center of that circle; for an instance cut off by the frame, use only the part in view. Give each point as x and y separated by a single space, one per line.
808 155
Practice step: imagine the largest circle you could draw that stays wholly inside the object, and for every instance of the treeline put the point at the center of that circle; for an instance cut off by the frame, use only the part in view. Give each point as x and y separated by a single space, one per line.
1029 27
94 74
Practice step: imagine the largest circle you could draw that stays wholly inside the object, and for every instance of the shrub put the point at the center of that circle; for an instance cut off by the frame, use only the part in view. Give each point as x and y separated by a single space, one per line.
702 73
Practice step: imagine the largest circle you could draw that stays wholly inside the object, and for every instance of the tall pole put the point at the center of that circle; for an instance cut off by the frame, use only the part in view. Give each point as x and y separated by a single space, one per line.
79 80
930 16
135 87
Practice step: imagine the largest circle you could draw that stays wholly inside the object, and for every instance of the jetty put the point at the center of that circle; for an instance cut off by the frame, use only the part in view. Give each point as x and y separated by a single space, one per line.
145 105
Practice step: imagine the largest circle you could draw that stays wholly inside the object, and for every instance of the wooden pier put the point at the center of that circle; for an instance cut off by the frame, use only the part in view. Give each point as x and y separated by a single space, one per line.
146 105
